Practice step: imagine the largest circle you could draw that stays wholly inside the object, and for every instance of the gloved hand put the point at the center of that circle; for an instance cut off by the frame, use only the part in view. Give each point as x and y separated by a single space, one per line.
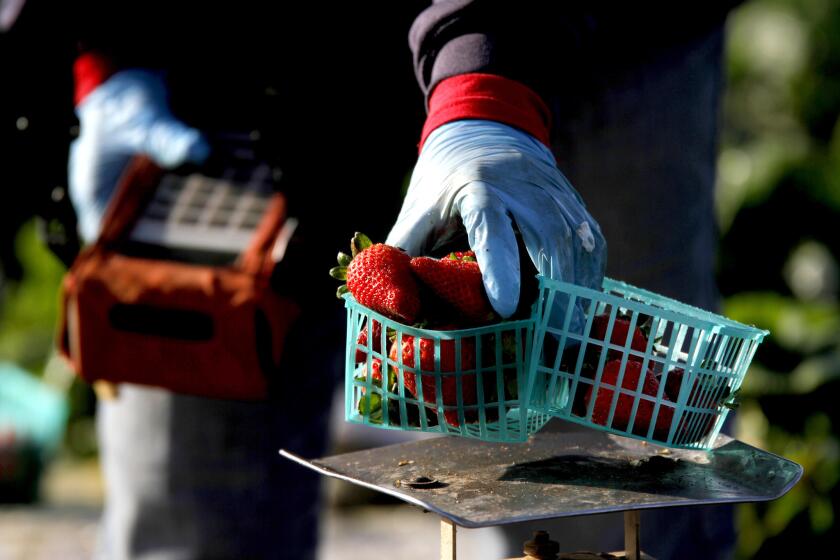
125 115
490 177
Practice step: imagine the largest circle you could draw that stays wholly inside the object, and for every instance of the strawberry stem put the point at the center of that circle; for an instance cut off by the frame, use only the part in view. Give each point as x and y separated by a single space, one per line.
359 243
733 401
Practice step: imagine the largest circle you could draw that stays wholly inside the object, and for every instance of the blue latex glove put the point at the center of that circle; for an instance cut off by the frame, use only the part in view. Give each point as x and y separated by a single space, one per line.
125 115
488 176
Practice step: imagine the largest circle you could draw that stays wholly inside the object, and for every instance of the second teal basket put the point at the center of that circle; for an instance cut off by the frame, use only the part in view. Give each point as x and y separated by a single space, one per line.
635 363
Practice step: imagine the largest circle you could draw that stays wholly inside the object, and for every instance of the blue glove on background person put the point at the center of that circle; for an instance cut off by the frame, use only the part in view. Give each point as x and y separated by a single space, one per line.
124 116
491 177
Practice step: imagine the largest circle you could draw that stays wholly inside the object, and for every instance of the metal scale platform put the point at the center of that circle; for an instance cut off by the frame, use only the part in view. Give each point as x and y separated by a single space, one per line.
474 484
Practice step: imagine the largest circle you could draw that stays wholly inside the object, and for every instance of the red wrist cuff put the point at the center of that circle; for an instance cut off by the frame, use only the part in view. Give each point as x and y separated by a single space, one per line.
90 70
490 97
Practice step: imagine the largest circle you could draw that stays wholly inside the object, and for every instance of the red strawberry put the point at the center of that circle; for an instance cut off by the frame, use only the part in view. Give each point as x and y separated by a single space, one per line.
447 364
582 391
462 255
696 425
376 368
673 383
511 354
376 376
379 277
704 394
362 340
620 331
624 406
456 279
371 406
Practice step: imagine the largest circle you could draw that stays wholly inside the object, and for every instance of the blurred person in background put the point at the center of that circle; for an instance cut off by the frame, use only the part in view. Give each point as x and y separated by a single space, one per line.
189 477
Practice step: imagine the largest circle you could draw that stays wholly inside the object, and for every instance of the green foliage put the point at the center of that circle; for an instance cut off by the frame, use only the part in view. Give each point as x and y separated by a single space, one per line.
779 206
28 317
29 309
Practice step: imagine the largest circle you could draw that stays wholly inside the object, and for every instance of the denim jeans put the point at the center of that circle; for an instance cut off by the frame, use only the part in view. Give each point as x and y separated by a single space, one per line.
189 477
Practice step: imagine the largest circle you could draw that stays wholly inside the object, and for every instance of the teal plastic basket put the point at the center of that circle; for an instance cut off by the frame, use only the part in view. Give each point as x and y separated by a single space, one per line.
469 383
672 383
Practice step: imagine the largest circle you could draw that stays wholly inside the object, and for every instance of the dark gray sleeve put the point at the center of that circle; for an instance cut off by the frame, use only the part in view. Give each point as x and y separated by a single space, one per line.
444 43
454 37
549 44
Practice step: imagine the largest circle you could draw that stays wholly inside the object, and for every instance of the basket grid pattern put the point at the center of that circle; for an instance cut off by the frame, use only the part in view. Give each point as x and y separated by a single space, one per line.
622 360
698 357
468 382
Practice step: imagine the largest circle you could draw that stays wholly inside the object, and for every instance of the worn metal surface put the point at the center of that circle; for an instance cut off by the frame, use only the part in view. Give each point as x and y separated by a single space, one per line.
560 475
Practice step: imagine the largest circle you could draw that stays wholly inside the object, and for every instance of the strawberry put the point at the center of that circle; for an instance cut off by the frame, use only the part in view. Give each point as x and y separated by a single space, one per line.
362 340
624 406
361 374
509 342
620 333
581 397
673 383
462 255
456 279
447 364
376 368
706 392
696 425
371 406
379 277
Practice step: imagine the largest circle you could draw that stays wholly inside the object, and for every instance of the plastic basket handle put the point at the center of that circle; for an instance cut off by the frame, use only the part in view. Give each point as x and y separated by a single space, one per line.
257 259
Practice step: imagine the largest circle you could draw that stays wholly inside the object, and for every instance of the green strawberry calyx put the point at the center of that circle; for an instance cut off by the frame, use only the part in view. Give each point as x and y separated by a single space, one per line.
734 400
359 243
466 256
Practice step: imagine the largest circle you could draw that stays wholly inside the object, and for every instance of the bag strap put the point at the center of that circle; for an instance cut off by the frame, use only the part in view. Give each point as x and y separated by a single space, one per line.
136 186
257 258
